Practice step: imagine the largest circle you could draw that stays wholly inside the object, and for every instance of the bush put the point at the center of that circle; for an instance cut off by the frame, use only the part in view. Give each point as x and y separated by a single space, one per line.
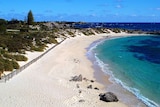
2 51
1 67
3 25
24 30
2 28
52 40
8 65
116 30
15 65
20 58
70 33
55 30
39 49
8 56
16 57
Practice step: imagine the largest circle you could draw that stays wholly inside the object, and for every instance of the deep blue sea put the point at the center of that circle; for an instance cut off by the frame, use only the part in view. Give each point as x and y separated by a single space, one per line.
150 27
133 62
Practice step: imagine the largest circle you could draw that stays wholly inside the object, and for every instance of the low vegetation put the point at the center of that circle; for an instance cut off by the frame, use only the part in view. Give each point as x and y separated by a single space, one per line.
7 65
12 45
116 30
16 37
15 57
88 31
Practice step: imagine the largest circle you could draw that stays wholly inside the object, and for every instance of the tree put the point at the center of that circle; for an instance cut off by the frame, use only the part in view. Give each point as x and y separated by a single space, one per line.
2 25
30 18
13 21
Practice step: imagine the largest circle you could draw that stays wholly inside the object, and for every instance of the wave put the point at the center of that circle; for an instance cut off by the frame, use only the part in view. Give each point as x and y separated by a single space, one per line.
105 68
96 43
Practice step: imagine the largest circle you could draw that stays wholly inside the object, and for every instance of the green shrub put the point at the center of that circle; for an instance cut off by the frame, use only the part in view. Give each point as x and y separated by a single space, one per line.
20 58
15 65
15 57
2 25
116 30
55 30
1 67
8 65
70 33
8 56
2 51
52 40
39 49
24 30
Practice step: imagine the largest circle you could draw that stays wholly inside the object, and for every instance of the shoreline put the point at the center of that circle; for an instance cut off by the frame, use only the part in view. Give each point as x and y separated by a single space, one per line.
46 82
108 81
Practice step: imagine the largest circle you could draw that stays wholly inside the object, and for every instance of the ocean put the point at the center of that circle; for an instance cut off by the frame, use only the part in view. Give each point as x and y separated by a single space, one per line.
148 27
134 63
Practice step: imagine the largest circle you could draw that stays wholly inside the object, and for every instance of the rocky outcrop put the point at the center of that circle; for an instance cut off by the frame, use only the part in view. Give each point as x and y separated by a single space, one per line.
108 97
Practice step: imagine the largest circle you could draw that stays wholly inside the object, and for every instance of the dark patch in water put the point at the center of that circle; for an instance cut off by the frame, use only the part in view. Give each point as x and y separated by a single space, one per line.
149 42
156 37
148 50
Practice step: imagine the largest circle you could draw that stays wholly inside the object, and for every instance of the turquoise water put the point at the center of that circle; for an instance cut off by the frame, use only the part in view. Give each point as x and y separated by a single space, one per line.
134 62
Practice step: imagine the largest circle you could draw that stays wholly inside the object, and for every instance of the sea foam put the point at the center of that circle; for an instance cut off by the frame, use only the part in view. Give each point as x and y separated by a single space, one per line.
106 69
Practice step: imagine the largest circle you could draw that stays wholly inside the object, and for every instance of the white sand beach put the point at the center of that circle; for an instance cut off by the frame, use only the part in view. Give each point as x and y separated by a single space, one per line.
46 82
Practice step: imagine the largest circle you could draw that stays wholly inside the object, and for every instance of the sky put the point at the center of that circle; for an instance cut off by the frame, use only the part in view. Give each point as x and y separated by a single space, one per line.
82 10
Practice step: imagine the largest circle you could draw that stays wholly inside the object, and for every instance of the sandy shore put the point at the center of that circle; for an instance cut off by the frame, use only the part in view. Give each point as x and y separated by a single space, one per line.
46 82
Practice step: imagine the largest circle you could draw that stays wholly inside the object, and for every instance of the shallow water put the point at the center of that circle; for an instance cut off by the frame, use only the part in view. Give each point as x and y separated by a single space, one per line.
133 62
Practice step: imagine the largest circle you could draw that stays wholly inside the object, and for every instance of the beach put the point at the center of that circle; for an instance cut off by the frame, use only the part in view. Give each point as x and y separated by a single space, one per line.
46 83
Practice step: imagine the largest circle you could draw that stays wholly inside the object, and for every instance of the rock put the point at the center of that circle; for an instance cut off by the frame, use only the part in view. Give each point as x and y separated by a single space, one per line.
85 79
77 78
89 87
92 80
108 97
81 101
96 88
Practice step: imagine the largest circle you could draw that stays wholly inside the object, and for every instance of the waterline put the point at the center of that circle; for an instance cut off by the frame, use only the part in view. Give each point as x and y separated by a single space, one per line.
107 68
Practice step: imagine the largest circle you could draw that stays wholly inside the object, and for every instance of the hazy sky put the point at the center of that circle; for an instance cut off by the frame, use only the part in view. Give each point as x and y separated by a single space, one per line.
83 10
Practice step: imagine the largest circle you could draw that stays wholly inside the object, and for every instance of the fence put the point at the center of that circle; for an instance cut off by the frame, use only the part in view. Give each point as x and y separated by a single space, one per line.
17 71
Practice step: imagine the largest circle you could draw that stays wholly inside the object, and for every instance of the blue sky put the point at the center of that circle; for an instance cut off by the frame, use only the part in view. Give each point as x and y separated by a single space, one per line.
83 10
